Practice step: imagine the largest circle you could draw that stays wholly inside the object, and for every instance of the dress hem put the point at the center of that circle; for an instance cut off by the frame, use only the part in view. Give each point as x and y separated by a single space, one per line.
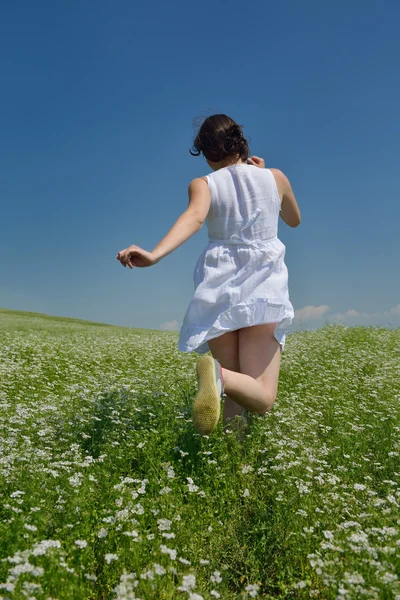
237 317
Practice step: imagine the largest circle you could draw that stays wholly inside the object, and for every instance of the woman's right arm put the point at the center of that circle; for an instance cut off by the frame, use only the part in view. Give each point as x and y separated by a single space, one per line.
290 212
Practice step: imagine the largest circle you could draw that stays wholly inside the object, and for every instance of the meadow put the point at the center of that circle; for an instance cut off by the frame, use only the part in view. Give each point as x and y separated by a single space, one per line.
108 492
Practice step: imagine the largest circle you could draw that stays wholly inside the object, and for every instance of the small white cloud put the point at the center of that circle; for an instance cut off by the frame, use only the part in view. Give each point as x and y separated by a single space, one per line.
393 311
355 313
311 312
170 326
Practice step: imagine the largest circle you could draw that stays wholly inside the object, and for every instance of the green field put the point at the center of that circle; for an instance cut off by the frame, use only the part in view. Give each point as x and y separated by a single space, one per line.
107 491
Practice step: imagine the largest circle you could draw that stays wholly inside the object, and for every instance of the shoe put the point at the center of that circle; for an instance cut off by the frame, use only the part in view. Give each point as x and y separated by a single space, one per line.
207 404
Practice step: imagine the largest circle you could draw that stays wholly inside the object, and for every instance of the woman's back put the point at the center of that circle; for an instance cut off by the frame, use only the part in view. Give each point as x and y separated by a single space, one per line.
245 204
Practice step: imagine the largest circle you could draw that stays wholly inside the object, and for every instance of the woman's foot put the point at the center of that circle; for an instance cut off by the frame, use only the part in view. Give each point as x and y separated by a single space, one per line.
238 425
207 404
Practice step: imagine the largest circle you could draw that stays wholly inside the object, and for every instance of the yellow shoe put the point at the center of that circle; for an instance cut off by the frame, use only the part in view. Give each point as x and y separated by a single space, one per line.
207 404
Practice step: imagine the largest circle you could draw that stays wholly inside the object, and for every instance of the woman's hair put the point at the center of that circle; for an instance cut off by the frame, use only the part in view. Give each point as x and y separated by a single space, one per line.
219 137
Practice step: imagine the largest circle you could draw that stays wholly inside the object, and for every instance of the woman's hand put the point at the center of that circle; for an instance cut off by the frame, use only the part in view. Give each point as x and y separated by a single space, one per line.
256 161
136 257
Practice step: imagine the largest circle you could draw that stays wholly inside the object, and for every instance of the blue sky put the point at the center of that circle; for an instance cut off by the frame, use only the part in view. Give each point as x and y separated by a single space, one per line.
97 108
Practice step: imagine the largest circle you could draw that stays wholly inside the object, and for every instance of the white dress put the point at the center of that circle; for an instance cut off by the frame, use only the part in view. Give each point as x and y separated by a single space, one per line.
240 278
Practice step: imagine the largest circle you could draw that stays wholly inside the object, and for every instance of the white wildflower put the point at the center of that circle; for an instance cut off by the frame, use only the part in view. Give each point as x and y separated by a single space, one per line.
360 486
41 548
354 578
102 533
133 533
191 486
147 575
188 583
159 569
216 577
16 494
247 469
252 589
76 480
164 524
170 551
109 557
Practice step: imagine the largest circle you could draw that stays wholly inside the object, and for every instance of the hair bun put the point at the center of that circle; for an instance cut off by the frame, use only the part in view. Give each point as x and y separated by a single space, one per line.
234 131
220 137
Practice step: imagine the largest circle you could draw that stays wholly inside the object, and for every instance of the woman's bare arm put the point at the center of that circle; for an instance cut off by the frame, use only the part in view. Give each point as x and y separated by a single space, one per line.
290 212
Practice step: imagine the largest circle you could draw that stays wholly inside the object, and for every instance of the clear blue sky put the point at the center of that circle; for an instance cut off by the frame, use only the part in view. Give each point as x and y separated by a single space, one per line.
97 107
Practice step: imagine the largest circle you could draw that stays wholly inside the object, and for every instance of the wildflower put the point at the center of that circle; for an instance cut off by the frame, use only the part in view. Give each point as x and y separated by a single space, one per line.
165 490
359 537
191 486
102 533
247 469
109 557
189 582
122 515
81 543
30 527
216 577
164 524
16 494
158 569
41 548
354 578
252 589
147 575
360 486
184 561
133 534
170 551
246 493
300 585
215 594
76 480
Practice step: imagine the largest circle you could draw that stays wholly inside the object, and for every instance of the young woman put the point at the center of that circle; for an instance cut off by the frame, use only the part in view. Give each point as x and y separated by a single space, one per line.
241 308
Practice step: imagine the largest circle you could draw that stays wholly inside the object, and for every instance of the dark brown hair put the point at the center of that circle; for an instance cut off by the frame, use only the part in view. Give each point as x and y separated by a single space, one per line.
219 137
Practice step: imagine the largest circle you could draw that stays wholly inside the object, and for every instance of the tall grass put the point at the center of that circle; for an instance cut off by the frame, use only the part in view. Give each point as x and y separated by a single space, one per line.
108 492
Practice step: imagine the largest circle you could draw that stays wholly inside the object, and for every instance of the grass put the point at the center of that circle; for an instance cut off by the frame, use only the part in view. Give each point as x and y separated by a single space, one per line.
107 491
